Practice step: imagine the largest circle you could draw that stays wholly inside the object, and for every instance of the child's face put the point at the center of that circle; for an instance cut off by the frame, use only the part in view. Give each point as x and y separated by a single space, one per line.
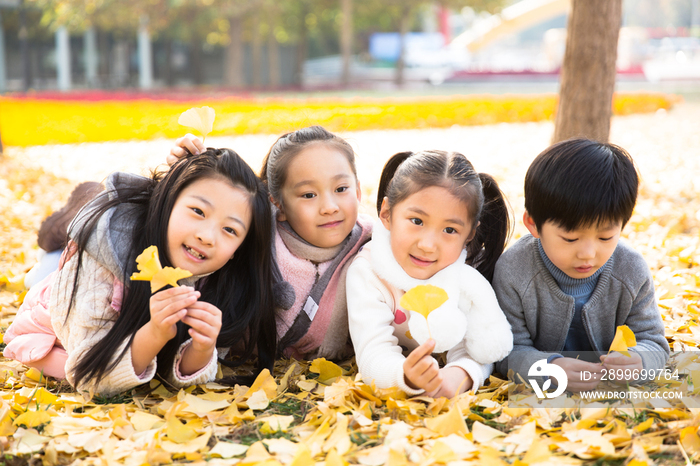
320 196
579 253
208 223
428 230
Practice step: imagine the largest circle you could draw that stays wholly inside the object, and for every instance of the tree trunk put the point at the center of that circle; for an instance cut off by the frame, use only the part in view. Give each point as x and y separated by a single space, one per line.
273 58
233 61
588 71
405 20
346 40
256 53
24 48
301 47
104 64
168 71
196 54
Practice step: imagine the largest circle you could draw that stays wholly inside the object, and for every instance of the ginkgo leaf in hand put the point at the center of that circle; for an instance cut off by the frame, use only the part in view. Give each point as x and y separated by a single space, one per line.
201 119
148 264
624 338
150 269
423 299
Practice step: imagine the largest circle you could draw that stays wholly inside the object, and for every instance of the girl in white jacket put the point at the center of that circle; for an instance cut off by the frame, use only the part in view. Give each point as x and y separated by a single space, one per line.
438 217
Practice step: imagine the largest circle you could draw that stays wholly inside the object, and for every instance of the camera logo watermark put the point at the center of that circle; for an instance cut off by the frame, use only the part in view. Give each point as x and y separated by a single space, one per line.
542 368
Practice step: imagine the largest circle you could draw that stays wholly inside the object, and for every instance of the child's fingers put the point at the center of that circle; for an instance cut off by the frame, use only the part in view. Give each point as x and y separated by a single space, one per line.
427 367
173 292
190 142
206 308
203 326
174 318
173 156
200 320
179 294
419 353
620 360
432 384
202 339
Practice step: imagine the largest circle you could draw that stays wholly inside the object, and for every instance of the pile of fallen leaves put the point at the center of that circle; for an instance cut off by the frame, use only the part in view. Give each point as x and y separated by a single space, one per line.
308 412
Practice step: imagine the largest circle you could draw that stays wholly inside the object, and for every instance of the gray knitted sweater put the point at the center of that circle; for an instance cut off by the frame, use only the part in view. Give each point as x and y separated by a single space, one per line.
540 313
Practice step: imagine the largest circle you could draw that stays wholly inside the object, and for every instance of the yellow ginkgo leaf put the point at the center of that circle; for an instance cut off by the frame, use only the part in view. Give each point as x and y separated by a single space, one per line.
178 432
150 269
168 276
32 418
423 299
201 119
148 264
326 370
624 338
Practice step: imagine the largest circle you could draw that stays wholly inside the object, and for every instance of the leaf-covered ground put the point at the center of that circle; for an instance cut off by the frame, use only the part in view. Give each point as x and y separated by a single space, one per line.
305 413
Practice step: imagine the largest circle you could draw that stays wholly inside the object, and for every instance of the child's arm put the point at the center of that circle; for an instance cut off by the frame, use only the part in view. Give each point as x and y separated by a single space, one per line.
205 322
421 370
189 142
89 321
168 307
575 369
378 354
506 282
644 319
459 357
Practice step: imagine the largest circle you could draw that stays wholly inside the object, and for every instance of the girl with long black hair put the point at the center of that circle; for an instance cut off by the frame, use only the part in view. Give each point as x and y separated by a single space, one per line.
87 322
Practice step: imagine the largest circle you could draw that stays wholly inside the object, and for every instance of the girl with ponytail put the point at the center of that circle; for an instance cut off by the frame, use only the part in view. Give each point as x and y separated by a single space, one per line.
441 228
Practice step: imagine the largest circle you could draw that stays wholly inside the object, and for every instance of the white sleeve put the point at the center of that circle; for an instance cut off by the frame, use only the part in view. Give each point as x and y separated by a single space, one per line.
370 315
458 356
489 337
204 375
89 321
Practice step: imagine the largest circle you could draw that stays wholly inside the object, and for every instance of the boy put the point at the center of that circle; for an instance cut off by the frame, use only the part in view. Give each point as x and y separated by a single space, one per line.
566 287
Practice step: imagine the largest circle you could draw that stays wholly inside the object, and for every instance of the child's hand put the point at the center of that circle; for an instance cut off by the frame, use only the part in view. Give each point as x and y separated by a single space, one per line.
421 370
189 142
455 380
624 368
205 322
574 369
167 308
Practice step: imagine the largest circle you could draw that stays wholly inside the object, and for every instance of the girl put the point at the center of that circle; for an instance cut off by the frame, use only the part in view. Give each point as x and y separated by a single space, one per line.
435 213
104 333
313 185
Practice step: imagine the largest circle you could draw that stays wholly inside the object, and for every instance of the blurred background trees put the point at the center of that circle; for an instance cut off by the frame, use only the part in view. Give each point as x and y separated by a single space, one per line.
314 44
235 44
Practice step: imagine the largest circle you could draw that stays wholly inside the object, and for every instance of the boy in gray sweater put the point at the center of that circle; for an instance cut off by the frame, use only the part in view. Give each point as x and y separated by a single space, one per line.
567 286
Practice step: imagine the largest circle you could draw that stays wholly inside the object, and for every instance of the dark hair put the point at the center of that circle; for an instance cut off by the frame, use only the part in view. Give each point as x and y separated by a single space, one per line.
274 170
580 182
241 289
406 173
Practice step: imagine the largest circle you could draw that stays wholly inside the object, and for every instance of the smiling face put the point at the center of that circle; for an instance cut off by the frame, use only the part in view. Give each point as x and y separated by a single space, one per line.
578 253
320 196
208 223
428 230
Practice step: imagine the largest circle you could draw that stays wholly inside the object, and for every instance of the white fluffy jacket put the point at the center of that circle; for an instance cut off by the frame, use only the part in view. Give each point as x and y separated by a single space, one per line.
375 283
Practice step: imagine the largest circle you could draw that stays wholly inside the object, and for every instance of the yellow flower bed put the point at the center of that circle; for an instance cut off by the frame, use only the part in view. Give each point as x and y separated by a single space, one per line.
26 121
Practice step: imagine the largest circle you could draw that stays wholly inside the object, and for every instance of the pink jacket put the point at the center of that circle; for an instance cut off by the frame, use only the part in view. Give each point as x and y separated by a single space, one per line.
31 339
